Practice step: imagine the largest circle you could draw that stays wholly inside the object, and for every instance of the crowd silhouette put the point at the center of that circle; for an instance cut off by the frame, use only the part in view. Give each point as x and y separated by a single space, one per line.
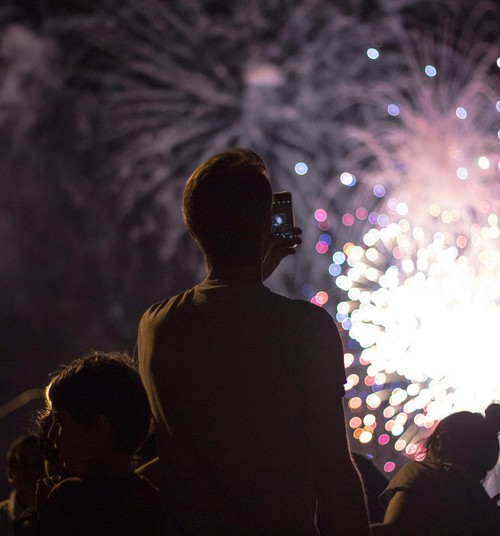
231 421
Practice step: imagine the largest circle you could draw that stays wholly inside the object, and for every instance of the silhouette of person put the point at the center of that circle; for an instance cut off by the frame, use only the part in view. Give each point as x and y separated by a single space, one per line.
99 415
24 468
443 495
27 523
246 385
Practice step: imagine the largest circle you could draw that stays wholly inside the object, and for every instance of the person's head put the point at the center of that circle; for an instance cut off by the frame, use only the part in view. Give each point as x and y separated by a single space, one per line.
466 439
25 468
98 407
227 207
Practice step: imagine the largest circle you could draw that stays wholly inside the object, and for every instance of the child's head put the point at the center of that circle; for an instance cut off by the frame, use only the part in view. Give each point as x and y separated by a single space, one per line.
97 402
466 439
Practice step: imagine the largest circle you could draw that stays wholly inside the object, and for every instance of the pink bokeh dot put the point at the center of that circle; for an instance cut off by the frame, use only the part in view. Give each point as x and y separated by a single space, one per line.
347 219
320 215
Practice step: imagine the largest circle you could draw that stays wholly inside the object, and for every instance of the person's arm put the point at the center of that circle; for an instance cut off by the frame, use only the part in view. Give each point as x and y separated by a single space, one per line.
408 506
404 515
341 500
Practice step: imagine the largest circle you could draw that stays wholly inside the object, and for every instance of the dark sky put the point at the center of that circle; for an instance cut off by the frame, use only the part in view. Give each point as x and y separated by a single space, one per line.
84 249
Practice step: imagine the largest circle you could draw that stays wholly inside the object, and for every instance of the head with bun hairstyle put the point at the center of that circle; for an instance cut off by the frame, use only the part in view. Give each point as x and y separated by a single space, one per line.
468 440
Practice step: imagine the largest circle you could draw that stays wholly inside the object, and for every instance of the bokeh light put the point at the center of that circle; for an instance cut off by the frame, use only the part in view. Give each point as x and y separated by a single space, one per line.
301 168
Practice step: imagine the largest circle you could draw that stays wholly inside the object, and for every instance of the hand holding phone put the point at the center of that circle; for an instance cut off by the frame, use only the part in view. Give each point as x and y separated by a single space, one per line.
285 236
283 225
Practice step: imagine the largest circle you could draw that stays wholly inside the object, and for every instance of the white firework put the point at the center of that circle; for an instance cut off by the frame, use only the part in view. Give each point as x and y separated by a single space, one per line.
422 284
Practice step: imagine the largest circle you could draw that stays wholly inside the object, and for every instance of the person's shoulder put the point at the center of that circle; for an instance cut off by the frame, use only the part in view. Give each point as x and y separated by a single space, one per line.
423 467
418 474
300 306
413 467
158 309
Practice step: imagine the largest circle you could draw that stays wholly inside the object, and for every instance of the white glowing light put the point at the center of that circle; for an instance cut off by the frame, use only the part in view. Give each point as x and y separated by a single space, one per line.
373 53
483 162
462 173
365 436
430 70
402 209
347 179
301 168
461 112
343 282
410 325
393 109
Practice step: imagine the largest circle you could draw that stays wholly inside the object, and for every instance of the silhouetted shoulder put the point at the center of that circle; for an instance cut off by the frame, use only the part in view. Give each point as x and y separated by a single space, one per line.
311 316
160 308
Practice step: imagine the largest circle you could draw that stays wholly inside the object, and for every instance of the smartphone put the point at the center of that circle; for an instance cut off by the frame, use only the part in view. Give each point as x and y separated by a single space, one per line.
282 217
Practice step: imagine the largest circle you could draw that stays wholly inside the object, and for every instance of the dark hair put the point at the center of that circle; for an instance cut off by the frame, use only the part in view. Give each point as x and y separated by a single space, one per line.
226 202
104 384
467 439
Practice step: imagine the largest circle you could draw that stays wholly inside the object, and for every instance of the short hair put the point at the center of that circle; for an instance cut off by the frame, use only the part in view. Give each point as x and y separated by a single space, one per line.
226 202
104 383
467 439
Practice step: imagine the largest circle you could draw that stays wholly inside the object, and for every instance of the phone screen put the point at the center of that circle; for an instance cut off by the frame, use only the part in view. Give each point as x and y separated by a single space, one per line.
282 216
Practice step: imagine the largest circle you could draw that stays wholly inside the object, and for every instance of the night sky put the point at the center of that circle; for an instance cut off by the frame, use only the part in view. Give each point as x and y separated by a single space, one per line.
106 107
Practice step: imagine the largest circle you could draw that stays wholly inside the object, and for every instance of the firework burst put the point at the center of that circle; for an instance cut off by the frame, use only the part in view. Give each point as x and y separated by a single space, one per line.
417 264
388 137
177 82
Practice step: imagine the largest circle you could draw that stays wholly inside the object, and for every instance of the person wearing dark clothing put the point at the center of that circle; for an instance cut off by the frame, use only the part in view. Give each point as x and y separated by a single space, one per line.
99 416
101 504
442 495
246 385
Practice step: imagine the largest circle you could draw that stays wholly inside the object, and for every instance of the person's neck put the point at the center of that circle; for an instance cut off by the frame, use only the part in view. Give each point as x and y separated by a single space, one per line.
231 272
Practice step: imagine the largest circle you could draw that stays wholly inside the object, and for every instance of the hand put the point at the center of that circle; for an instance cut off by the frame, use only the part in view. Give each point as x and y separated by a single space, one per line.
43 488
278 251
